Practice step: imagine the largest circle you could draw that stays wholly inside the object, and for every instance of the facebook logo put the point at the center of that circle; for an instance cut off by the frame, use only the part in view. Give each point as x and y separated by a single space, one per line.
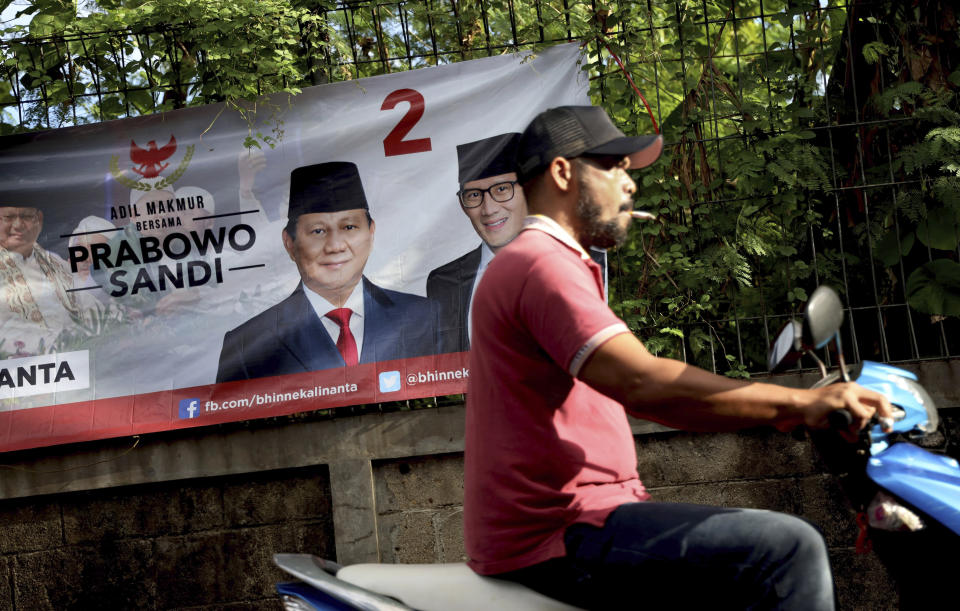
389 381
189 408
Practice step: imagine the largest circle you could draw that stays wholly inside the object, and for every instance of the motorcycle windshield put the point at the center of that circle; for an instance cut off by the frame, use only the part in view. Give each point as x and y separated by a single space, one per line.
930 482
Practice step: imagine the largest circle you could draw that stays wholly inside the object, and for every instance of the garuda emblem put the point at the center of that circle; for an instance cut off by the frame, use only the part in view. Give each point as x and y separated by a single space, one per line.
149 163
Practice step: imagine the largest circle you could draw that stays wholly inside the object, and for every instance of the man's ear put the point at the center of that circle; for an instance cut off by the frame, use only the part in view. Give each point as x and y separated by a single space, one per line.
288 244
560 173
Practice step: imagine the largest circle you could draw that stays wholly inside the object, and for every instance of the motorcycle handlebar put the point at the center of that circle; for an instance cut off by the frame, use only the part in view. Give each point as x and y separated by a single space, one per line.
840 419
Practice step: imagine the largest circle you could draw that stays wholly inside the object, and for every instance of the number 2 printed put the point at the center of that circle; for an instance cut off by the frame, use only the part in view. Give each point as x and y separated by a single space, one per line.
394 144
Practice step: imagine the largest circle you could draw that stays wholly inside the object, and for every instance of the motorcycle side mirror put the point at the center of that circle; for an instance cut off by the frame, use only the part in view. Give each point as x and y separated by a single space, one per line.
821 323
787 348
822 317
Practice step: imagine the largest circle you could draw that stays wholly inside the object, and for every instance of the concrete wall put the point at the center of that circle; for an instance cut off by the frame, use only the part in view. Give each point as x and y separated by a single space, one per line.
199 543
207 543
191 518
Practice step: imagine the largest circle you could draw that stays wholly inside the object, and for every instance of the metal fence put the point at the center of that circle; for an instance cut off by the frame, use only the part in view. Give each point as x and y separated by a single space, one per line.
706 68
867 185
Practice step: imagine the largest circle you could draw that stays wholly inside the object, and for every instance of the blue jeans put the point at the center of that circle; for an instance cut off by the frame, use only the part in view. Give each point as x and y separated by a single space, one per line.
679 556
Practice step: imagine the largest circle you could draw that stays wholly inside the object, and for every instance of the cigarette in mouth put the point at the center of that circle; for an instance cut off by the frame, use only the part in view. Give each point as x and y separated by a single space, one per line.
644 216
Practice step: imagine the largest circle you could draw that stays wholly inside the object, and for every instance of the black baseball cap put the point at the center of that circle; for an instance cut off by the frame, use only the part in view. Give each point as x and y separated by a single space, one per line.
571 131
325 187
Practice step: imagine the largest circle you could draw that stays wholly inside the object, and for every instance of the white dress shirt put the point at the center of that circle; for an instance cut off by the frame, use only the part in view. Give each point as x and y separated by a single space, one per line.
486 256
354 303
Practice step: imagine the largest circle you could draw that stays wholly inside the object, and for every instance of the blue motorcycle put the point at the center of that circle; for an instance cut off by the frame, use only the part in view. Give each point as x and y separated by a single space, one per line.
908 496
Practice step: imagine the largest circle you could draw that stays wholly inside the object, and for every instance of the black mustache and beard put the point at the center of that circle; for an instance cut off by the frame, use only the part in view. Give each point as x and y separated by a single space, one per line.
595 232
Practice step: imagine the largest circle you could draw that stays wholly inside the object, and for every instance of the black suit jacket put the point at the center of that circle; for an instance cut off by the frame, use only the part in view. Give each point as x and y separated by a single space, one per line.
289 337
450 287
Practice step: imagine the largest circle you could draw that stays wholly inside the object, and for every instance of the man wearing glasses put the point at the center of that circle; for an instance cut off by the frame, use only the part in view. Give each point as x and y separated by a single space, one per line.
493 201
36 300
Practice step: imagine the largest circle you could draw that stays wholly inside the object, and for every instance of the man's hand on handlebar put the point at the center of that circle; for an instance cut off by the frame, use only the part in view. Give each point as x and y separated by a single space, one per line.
861 404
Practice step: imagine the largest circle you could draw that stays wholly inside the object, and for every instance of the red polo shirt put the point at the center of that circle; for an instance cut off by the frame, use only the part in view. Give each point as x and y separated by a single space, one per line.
543 449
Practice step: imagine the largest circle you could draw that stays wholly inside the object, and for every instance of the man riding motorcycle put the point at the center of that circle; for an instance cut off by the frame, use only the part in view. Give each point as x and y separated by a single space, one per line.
552 496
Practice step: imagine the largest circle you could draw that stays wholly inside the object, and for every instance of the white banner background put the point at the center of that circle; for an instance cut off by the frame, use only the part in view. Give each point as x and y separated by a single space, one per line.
175 343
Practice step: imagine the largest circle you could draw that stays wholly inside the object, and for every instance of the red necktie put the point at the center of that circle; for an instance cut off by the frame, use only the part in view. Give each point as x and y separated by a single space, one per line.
345 343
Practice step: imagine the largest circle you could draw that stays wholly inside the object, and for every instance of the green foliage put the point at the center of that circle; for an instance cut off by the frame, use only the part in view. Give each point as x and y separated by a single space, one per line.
751 193
926 161
156 56
892 246
745 180
934 288
873 51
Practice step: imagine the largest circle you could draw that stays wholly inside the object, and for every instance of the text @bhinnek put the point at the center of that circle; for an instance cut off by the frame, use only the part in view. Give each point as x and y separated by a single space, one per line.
428 377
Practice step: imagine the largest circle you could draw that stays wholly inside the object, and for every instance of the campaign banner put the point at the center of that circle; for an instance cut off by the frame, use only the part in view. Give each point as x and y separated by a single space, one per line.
156 273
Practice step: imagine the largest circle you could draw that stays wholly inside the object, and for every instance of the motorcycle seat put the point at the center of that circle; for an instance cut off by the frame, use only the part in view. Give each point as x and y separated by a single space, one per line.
446 586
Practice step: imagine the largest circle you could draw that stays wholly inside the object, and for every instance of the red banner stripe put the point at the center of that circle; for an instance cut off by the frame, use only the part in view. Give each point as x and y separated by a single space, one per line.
428 376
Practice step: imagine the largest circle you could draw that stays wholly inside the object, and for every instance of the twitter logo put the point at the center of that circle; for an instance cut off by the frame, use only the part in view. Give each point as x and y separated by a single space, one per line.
389 381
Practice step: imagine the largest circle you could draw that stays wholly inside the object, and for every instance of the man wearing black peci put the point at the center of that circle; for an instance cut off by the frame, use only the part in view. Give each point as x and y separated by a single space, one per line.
336 317
493 201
